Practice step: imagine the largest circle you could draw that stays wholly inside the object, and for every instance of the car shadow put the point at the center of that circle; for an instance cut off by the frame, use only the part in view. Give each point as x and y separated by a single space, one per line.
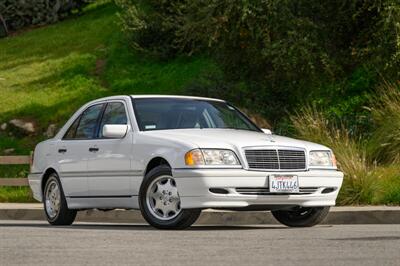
141 227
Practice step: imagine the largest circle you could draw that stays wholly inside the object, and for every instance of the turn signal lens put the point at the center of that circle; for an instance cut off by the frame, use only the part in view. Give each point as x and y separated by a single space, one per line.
211 157
334 162
194 157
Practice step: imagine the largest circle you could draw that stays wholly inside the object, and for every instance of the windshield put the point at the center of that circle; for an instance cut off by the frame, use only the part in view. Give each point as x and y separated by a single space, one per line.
175 113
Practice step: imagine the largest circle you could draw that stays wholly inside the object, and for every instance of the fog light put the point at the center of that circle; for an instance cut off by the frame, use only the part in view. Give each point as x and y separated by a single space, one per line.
328 190
219 191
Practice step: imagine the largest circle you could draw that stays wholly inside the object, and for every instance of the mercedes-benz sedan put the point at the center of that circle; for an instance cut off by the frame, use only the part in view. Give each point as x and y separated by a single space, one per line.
173 156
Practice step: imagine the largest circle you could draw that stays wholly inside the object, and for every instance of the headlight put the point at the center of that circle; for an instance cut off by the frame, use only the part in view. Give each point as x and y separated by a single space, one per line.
322 158
211 157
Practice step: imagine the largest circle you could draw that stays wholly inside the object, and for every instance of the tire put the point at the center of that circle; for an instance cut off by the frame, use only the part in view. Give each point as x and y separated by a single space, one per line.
160 203
301 216
55 205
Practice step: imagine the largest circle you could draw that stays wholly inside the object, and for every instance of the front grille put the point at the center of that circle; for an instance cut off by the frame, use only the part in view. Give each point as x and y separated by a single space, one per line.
265 191
276 159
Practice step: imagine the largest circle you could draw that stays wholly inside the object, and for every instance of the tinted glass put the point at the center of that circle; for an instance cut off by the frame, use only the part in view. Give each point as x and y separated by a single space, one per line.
72 129
170 113
114 114
88 122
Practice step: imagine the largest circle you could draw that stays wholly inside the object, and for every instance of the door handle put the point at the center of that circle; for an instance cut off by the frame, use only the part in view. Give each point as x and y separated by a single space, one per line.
62 150
93 149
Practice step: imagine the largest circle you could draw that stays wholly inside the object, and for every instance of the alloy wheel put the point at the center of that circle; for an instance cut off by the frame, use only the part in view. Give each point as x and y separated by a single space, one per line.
162 198
52 199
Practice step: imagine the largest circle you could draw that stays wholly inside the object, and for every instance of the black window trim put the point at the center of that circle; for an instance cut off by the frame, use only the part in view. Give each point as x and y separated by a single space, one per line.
79 122
78 119
99 118
102 114
245 116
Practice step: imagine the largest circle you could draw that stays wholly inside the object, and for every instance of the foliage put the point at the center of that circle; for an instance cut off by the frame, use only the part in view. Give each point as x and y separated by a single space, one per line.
388 185
70 63
282 50
85 58
360 182
370 162
16 194
384 145
20 13
147 25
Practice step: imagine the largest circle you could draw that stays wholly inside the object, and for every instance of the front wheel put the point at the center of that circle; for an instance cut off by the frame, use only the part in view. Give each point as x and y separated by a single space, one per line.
55 204
301 216
160 202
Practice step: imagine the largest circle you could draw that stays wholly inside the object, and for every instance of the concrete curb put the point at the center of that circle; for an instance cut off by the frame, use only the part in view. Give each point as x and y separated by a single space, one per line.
337 215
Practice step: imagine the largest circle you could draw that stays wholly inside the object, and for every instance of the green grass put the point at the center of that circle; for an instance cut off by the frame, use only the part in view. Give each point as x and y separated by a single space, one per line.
16 194
388 189
48 73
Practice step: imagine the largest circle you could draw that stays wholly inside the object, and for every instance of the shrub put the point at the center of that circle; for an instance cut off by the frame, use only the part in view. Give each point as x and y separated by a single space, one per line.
384 145
21 13
149 25
360 182
278 51
388 189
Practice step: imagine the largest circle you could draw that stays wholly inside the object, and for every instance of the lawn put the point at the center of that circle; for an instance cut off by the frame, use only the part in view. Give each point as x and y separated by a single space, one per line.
47 73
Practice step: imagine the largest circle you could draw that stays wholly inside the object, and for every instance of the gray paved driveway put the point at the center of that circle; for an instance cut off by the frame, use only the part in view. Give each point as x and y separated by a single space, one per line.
37 243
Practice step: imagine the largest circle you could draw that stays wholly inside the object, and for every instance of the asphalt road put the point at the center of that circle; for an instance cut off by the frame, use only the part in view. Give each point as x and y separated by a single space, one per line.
36 243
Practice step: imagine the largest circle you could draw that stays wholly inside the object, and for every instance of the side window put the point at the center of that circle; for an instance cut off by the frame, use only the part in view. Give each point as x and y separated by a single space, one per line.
72 129
88 122
114 114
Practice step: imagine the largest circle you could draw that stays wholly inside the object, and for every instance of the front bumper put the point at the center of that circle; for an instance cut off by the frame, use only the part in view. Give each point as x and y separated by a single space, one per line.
194 184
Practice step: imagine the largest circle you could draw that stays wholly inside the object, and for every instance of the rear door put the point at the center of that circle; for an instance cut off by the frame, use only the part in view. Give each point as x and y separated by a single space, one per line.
109 164
73 152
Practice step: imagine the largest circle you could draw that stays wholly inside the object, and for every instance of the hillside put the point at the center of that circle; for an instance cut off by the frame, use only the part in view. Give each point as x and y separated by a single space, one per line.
49 72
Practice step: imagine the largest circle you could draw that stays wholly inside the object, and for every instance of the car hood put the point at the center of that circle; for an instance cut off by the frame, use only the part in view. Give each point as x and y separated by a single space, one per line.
231 139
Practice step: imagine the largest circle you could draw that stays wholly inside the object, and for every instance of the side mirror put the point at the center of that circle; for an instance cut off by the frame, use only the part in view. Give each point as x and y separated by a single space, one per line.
267 131
114 131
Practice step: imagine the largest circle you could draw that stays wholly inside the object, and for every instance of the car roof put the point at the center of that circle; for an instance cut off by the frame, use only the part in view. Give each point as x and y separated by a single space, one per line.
147 96
174 96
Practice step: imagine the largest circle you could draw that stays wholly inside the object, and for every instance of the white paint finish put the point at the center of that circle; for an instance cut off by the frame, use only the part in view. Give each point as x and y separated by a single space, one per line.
109 168
197 182
115 131
267 131
103 203
34 183
194 188
72 166
118 167
236 140
238 202
174 96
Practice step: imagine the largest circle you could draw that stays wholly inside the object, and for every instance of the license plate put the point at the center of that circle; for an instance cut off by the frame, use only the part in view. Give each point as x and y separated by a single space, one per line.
284 183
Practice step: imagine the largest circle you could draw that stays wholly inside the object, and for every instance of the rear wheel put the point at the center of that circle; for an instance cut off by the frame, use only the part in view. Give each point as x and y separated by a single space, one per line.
301 216
160 202
55 205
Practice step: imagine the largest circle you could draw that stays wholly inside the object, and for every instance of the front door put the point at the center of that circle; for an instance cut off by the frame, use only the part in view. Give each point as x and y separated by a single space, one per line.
109 164
73 152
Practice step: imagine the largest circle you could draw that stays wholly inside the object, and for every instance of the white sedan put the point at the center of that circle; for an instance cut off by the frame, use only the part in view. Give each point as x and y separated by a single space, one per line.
173 156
